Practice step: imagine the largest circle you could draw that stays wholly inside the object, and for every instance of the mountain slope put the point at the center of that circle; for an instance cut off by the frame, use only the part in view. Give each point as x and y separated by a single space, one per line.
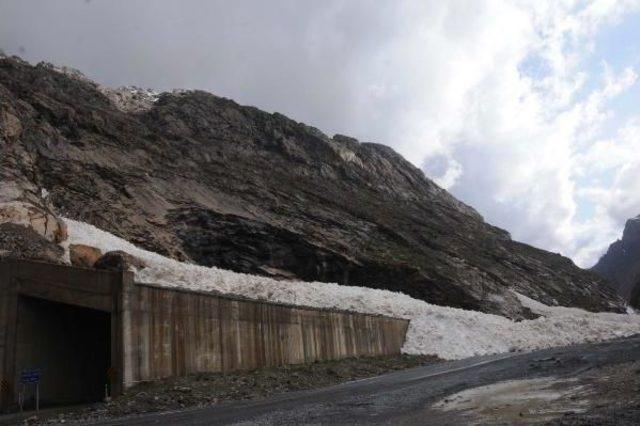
621 263
203 179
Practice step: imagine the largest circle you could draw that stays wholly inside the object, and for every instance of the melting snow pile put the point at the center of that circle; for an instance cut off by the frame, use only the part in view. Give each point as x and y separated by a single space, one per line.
447 332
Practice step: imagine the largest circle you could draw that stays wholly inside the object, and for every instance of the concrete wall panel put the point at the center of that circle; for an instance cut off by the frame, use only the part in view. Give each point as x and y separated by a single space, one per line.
178 332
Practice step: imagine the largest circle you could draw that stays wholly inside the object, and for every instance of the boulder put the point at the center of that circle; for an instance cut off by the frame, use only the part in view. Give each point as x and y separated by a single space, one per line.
84 256
18 241
119 261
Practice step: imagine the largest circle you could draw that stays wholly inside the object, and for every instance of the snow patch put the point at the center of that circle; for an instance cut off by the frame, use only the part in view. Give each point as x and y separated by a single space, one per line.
449 333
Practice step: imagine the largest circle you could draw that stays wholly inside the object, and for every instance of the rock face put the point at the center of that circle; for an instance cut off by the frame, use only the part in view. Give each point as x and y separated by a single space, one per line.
21 242
634 301
203 179
621 263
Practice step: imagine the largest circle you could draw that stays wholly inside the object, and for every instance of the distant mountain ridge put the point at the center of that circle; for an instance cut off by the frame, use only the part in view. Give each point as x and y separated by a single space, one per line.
203 179
621 263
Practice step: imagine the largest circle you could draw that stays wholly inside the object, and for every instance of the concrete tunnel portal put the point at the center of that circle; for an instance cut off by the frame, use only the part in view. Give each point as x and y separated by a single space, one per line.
63 325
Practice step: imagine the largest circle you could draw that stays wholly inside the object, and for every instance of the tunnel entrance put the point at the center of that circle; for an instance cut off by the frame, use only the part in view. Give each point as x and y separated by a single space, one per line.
69 345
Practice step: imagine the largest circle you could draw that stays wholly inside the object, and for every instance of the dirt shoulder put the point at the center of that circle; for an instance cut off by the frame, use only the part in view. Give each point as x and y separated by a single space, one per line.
614 397
603 395
211 388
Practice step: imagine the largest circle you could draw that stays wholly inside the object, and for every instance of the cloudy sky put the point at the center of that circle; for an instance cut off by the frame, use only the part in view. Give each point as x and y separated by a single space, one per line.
527 110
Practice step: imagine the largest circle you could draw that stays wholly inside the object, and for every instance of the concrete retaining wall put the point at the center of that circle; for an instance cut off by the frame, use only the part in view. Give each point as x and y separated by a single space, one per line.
172 333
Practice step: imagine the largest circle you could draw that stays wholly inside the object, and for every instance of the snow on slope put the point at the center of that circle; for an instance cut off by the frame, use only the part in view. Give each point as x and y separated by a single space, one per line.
447 332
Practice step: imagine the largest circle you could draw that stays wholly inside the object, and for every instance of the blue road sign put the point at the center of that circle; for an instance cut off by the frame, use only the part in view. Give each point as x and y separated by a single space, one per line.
30 376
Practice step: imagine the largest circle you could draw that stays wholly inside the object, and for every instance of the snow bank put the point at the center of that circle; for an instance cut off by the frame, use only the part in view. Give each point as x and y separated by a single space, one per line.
446 332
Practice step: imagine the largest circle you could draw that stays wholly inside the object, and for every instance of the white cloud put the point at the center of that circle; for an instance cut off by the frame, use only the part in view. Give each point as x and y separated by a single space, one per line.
616 197
519 151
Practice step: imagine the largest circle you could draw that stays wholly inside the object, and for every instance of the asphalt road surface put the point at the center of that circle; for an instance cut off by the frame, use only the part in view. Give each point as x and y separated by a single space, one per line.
402 397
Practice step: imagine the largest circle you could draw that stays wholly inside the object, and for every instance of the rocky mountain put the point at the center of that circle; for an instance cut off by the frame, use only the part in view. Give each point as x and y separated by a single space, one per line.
621 263
203 179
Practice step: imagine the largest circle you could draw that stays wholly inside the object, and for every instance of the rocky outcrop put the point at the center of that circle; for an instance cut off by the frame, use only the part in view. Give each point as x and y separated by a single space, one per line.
203 179
29 228
17 241
44 223
621 263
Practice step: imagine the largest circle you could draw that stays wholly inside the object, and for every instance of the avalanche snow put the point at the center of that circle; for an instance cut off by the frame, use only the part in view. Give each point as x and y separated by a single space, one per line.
449 333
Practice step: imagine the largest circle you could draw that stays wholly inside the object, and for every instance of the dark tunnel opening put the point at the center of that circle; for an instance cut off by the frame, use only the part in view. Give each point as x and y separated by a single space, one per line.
69 345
